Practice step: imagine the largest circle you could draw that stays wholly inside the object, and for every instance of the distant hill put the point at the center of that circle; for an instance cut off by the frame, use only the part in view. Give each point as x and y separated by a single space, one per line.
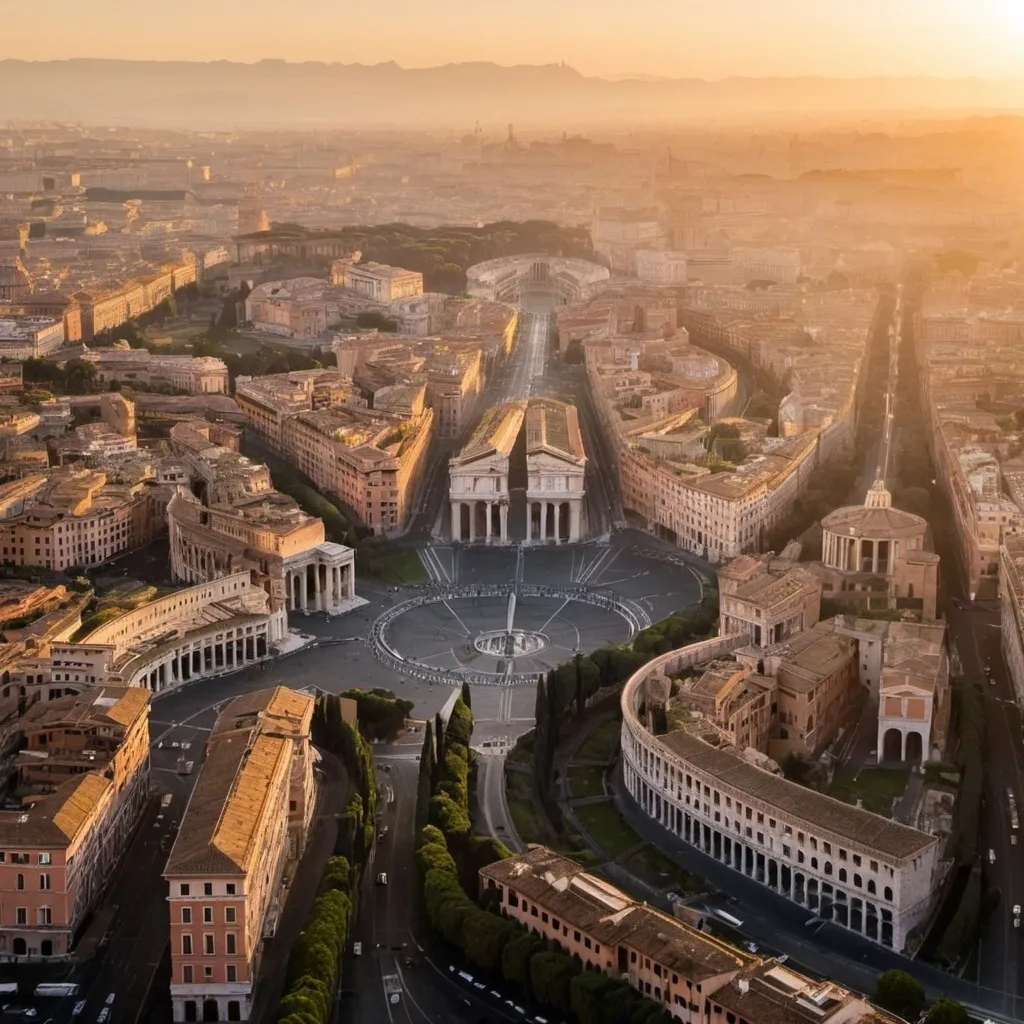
277 94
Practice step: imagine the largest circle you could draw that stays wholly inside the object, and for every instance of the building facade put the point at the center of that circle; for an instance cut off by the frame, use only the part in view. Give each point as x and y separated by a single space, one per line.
867 873
238 845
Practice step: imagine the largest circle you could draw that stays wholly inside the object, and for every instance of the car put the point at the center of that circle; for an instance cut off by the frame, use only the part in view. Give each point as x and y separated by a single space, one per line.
991 856
79 1007
479 986
408 961
1013 838
1016 915
387 767
750 947
495 994
380 836
382 878
103 1015
357 949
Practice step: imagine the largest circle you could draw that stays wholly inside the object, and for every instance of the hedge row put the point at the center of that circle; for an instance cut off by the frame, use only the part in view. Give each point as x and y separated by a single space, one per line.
314 965
542 972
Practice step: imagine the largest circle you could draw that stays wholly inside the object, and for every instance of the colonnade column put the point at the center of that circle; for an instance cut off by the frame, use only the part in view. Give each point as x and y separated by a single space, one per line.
543 521
456 520
503 518
316 587
472 522
574 521
303 589
489 508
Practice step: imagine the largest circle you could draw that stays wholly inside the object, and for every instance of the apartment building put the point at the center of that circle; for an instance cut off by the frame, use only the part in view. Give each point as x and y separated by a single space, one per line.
372 463
675 965
620 233
864 872
1011 610
83 779
76 517
48 305
30 337
663 267
236 851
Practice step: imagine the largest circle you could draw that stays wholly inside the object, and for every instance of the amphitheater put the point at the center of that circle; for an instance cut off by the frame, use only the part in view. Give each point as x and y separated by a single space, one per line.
504 279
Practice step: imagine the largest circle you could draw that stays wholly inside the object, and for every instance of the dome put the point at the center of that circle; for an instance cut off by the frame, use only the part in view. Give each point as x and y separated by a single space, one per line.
880 521
15 283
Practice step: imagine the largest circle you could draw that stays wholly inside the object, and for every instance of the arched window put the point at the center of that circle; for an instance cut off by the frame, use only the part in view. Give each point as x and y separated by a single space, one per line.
871 886
887 894
858 881
842 874
828 867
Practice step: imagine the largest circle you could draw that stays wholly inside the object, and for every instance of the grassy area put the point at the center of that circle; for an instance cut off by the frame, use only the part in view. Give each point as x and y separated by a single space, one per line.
656 869
586 782
604 824
602 744
401 567
529 823
522 750
876 787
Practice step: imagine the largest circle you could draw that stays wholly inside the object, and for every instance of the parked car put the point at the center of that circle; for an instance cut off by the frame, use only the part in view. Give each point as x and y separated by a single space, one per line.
991 856
1016 915
382 878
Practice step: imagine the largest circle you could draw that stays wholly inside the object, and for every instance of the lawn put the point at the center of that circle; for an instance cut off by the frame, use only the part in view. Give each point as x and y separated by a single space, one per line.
601 744
402 567
656 869
529 823
876 787
586 782
603 823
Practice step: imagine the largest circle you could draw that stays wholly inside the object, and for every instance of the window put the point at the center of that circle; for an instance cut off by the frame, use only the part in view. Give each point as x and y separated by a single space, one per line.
183 889
230 888
208 973
186 945
207 888
44 858
229 915
186 974
208 945
186 915
231 942
20 882
232 973
21 915
576 936
207 915
887 894
44 882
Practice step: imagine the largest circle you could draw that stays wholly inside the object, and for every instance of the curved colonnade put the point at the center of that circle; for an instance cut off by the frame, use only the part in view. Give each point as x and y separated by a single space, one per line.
634 615
867 873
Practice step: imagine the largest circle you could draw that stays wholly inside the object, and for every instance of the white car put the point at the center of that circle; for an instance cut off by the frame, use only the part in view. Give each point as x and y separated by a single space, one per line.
991 856
1016 915
382 878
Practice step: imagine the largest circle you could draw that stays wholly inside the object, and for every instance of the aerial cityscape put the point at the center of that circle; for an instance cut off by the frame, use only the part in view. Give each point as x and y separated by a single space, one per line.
504 532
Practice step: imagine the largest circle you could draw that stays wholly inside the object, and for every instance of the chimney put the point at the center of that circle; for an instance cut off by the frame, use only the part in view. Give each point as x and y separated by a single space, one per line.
744 985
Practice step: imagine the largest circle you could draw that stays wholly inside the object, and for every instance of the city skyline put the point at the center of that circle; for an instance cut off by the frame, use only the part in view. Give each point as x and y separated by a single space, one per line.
732 38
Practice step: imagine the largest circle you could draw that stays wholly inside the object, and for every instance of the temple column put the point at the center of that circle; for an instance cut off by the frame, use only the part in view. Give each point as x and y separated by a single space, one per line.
456 520
489 507
304 589
316 587
503 518
543 521
472 522
574 521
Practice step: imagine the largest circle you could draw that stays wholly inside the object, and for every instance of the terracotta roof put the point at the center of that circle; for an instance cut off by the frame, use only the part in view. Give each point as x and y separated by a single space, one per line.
121 705
58 819
553 426
862 520
251 742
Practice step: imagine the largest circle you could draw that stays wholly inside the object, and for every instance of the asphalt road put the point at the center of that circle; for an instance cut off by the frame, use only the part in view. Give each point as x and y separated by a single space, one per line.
397 957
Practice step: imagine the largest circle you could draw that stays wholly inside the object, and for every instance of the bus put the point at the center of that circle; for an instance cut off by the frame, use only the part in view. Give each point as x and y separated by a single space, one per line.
1011 806
57 989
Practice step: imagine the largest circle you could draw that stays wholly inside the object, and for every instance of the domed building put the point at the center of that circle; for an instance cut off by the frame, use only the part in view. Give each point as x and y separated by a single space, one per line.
874 557
15 284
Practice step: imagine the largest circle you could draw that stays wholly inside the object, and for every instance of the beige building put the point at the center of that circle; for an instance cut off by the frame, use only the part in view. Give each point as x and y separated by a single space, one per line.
202 375
1011 610
30 337
874 557
914 695
478 486
83 780
675 965
376 281
767 602
555 468
242 523
236 851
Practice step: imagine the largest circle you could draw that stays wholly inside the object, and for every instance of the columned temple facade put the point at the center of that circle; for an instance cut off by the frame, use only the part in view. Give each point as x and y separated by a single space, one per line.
320 579
555 465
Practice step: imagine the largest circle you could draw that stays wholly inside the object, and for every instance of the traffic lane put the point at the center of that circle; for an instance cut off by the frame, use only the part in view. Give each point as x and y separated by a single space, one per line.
127 961
977 643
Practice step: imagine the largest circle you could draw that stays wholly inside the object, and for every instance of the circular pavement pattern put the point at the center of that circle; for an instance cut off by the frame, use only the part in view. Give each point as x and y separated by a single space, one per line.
500 635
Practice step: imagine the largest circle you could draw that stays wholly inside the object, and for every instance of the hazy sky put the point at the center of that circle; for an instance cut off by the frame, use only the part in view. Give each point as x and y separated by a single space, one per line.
679 38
